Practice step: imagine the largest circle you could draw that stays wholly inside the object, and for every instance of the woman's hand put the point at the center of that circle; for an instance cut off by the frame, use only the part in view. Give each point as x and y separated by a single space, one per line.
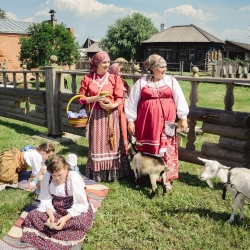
184 124
51 218
131 127
106 104
61 222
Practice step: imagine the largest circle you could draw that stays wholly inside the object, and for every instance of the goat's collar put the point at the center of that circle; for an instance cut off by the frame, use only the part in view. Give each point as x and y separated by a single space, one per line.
134 153
229 176
228 182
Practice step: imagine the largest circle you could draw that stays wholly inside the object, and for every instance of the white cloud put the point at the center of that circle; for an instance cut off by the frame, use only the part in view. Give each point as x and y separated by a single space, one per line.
155 18
246 8
188 10
11 16
88 8
43 12
235 34
30 19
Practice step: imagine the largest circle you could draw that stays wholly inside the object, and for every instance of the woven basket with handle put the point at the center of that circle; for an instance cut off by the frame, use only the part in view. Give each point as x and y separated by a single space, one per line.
77 122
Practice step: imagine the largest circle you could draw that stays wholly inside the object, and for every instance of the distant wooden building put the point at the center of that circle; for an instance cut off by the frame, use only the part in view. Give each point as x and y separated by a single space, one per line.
186 43
94 48
236 50
89 41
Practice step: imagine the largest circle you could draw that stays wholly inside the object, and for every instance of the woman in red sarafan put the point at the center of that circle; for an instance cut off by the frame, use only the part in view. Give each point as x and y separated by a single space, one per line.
154 99
107 159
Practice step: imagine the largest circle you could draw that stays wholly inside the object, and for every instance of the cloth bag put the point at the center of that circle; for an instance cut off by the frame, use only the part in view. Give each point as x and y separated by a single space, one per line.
170 128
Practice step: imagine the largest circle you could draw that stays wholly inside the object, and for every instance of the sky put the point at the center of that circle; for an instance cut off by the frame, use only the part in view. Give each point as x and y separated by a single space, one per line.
225 19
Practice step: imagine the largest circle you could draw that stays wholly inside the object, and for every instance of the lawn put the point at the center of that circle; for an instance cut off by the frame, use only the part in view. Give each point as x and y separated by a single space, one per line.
191 216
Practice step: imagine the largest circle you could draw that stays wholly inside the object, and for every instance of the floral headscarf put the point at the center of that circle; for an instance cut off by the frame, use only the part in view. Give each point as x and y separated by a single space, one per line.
97 59
114 69
154 61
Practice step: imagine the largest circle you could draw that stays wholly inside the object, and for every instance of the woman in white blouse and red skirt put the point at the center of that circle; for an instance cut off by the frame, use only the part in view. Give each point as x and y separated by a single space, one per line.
154 99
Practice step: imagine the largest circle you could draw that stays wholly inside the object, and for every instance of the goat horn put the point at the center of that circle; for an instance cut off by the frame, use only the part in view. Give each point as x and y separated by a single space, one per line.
139 144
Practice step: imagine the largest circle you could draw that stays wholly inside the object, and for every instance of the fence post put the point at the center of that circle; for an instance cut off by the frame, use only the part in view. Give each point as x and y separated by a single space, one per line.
230 71
181 68
54 120
239 72
191 66
193 97
246 74
213 68
224 71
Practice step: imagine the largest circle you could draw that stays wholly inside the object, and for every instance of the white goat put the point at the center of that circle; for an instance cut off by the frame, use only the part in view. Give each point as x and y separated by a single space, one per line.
144 164
236 181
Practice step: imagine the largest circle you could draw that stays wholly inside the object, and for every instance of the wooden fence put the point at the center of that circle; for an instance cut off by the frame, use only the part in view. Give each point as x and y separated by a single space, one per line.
49 110
132 67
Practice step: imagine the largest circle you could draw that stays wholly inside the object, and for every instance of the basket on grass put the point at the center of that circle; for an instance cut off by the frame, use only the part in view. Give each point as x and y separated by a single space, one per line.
77 122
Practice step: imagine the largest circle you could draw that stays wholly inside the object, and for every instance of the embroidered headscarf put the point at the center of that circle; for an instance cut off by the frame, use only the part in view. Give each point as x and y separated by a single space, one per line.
114 69
154 61
98 58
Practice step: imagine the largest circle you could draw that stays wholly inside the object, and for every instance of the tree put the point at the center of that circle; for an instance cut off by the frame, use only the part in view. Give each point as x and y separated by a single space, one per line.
2 14
44 40
123 39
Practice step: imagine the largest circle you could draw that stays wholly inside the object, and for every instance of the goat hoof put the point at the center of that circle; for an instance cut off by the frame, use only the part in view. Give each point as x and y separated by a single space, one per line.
152 195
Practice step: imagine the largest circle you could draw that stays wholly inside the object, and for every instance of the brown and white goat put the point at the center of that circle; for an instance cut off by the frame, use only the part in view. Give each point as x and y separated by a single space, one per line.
145 164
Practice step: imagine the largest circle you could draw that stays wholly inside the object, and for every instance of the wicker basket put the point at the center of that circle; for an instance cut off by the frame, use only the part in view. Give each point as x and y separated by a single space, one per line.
77 122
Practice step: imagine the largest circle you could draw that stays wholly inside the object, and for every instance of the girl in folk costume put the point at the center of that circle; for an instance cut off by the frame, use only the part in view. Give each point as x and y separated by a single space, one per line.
64 215
117 69
13 162
153 100
104 93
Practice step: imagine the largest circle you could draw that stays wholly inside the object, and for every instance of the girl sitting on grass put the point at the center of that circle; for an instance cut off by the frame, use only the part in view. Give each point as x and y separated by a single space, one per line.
64 215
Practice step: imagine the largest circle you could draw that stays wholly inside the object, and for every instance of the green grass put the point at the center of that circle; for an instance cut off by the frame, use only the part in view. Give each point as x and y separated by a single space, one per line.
191 216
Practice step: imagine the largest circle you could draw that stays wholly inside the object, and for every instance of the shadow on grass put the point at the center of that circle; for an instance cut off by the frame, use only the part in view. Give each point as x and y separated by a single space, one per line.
20 129
206 213
144 185
193 180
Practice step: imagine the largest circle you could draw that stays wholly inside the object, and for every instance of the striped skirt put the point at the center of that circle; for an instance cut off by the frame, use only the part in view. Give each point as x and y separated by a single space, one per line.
106 163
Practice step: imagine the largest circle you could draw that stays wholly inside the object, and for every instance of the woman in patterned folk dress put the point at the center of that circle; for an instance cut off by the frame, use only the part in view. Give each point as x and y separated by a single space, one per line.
63 204
153 100
107 160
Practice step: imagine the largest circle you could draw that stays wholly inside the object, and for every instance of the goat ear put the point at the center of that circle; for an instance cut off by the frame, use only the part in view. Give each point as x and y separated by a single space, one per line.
223 167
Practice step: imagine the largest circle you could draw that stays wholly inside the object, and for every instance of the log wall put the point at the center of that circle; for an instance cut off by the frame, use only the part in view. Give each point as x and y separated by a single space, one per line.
27 105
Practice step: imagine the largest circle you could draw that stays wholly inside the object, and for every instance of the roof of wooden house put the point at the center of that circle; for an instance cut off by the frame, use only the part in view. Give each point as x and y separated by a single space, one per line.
93 48
14 27
242 45
89 41
183 34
